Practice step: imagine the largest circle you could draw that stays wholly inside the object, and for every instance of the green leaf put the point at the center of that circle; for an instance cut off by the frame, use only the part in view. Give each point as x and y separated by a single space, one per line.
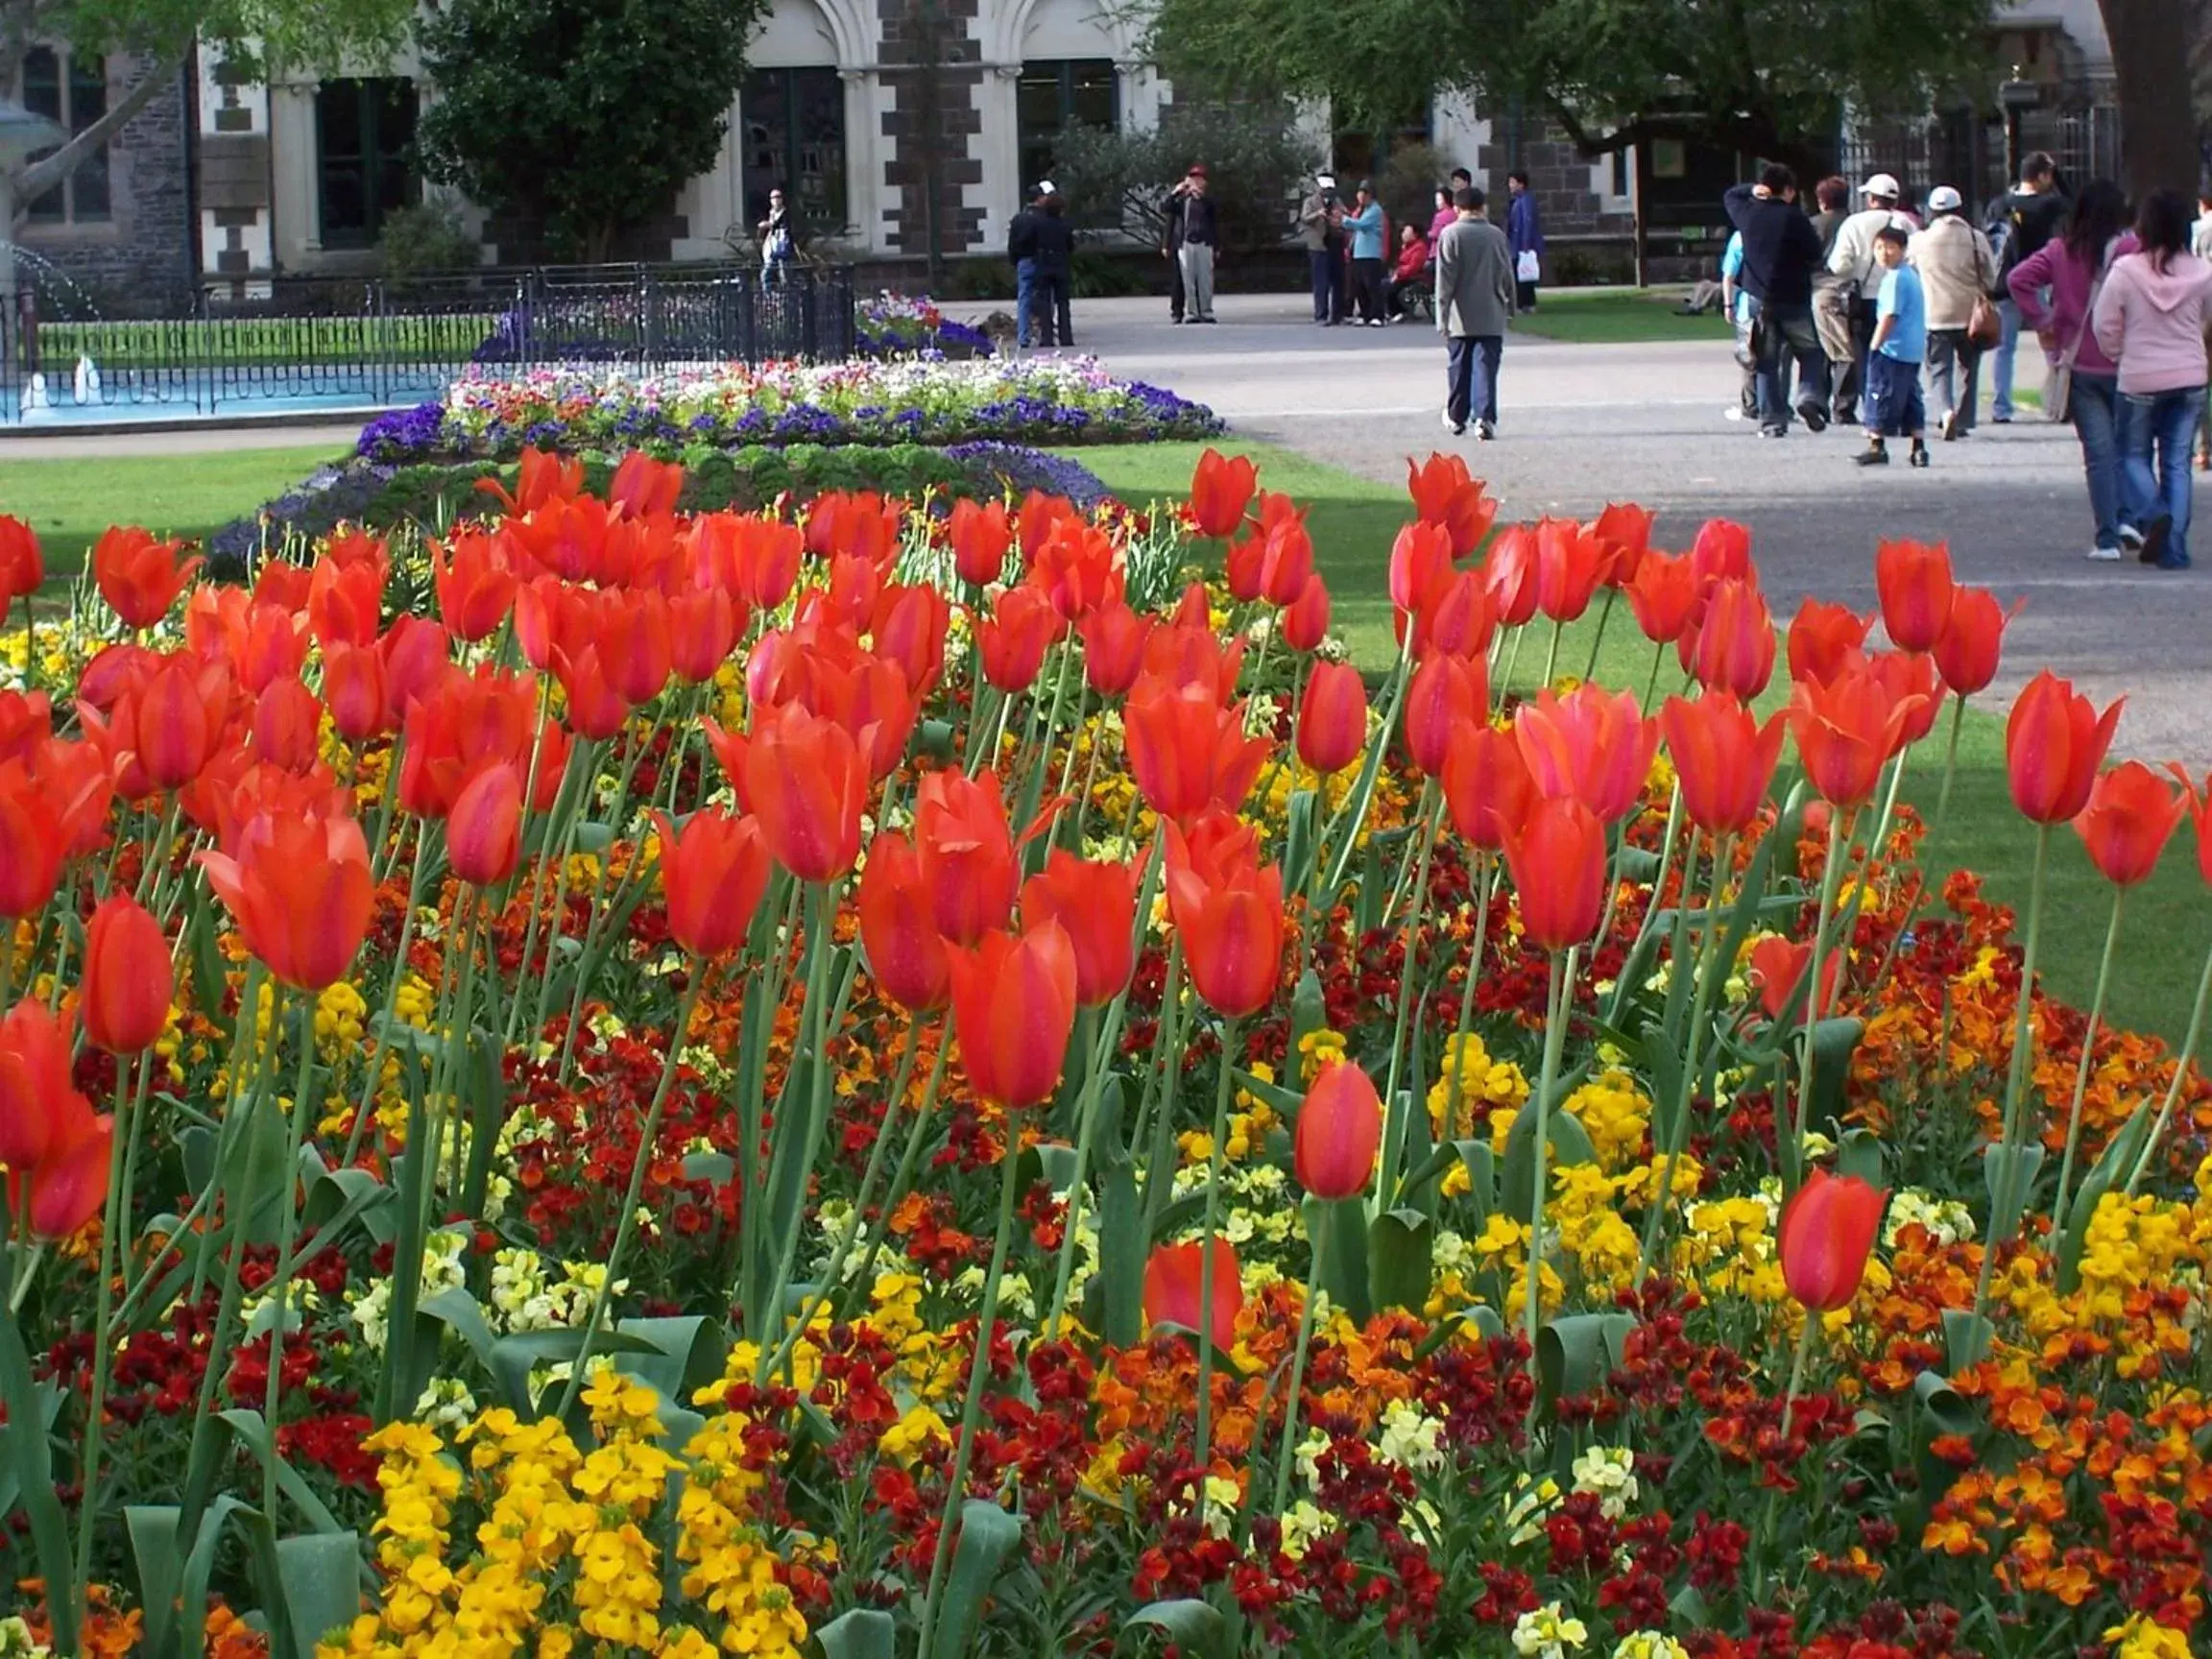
1193 1625
1662 1056
1121 1251
1859 1154
1301 847
1966 1337
859 1633
337 1198
1399 1250
988 1535
1834 1041
30 1459
718 1168
2023 1163
151 1530
1338 1230
1575 1352
321 1575
1275 1094
2109 1170
1570 1145
245 1424
1480 1159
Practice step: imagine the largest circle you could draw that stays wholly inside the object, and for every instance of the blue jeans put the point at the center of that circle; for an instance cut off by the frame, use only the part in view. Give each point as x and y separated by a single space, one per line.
1326 267
2165 421
1789 328
1471 376
1024 292
2001 364
2094 407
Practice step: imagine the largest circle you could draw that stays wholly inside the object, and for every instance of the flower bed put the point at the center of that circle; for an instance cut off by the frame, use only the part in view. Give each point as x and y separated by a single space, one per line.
904 401
879 1081
896 325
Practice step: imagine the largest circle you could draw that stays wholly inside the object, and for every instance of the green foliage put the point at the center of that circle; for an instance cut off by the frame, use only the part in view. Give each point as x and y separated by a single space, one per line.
425 238
1255 161
252 35
583 114
1407 186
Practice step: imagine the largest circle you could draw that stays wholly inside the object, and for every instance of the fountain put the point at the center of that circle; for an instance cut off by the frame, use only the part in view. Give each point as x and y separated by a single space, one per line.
21 131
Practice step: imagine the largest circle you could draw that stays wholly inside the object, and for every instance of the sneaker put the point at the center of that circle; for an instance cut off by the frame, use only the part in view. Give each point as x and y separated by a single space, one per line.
1485 431
2155 538
1814 416
1209 319
1375 323
1773 431
2103 555
2003 420
1876 456
1732 413
2130 537
1950 425
1455 427
1919 456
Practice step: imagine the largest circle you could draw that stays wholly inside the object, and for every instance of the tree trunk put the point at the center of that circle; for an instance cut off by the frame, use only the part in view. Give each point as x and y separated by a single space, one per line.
2150 42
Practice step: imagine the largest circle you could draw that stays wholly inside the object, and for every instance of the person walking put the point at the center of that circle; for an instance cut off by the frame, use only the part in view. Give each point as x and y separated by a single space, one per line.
2028 216
1320 220
1022 255
1055 272
1198 245
1780 252
1833 303
2200 245
2152 318
1851 261
1474 299
1957 271
1525 236
1893 404
1365 226
2057 288
779 244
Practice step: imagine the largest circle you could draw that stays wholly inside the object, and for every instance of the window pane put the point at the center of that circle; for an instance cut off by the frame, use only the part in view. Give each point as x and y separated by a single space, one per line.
817 170
765 111
88 187
88 91
391 105
338 121
1036 111
43 83
1094 94
344 205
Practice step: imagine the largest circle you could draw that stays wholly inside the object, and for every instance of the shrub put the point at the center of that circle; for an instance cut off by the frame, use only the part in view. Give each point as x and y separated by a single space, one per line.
427 238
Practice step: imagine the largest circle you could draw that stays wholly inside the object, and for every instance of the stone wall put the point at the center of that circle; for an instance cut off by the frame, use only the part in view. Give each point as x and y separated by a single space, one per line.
910 121
138 261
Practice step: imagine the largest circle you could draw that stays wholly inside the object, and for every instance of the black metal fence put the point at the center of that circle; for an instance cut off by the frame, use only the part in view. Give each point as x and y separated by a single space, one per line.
324 344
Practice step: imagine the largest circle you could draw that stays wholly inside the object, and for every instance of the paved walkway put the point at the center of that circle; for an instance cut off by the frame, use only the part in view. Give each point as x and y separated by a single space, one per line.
1581 425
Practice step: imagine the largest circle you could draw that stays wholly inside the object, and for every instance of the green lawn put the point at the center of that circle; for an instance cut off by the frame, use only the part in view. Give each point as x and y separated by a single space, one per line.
1612 318
249 341
70 502
2163 939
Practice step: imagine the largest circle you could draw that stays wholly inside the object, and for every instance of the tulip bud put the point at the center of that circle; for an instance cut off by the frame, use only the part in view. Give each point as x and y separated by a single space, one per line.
1340 1132
127 980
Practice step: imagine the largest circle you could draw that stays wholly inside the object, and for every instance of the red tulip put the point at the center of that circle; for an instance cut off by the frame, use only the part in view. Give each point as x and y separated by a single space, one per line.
1340 1132
1913 683
1457 618
1188 753
596 708
1845 731
484 831
1569 563
1305 619
35 1066
1823 638
967 851
1967 649
417 659
1184 651
266 646
805 783
1013 1009
909 631
346 595
1663 597
1079 568
128 982
1509 572
300 891
1220 490
643 487
70 1185
1776 971
173 721
353 686
1114 641
1722 549
703 629
713 874
1333 718
1624 531
1227 911
1486 785
2054 741
1828 1230
907 956
1445 494
458 727
1285 550
31 845
78 783
756 557
475 583
287 725
1420 563
1175 1285
1914 579
1589 744
1037 517
1735 649
1012 638
2131 816
541 477
634 645
982 536
1723 758
22 570
1096 905
138 576
26 722
1557 856
1447 694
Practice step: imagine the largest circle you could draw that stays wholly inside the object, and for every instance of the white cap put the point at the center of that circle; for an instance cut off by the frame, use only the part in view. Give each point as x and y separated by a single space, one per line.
1045 187
1881 185
1943 199
1327 181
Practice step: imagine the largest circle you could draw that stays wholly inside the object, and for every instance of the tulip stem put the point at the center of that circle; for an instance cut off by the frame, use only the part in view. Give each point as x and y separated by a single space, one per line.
2008 1195
1554 1045
648 1140
1159 1110
902 1178
2180 1074
979 1369
1709 977
1221 1097
287 1238
1504 682
1487 876
2088 1057
1551 654
1086 1121
1950 765
1597 640
569 809
1797 1369
1652 686
1408 973
1363 791
1792 1155
1288 1456
383 1037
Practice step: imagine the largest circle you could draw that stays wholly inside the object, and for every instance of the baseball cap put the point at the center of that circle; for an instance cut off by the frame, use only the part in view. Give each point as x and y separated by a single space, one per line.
1943 199
1197 170
1881 185
1327 181
1045 187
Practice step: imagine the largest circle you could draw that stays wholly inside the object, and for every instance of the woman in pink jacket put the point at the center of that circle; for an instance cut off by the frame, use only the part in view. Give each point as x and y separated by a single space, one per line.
2054 288
2153 316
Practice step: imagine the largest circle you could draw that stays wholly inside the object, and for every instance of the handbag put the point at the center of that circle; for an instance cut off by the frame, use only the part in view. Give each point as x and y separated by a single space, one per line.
1984 326
1528 268
2058 381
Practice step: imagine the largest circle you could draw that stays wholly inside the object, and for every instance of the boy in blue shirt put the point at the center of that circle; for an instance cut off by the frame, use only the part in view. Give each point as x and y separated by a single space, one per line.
1743 311
1894 363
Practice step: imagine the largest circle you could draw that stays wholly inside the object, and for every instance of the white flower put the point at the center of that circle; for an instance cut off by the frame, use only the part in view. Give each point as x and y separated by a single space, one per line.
445 1402
1608 1472
1526 1514
1310 1451
1410 1439
1548 1633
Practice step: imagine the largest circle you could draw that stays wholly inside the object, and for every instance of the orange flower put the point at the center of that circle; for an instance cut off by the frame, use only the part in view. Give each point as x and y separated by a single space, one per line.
1188 753
982 536
1590 744
1664 595
1339 1131
484 831
1569 563
1174 1288
1723 758
1557 856
967 851
1446 694
1827 1233
138 576
22 570
1333 718
1114 641
906 954
353 688
172 722
1220 490
1013 1009
908 631
805 779
287 725
2130 815
300 890
1967 650
1096 903
1012 638
1447 495
1487 785
1845 730
1228 910
2054 741
1735 647
35 1068
712 872
128 982
1822 638
1914 579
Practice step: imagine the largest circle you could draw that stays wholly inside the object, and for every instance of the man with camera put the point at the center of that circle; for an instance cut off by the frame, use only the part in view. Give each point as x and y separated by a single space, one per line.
1321 228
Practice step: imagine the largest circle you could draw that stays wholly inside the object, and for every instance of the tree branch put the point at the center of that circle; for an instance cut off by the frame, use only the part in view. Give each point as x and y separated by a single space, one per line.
40 176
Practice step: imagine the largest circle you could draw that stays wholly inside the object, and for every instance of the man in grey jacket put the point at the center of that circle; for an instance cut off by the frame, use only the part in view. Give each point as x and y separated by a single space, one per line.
1474 298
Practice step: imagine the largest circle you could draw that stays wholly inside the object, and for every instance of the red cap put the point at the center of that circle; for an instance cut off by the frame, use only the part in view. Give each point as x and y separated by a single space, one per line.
1197 170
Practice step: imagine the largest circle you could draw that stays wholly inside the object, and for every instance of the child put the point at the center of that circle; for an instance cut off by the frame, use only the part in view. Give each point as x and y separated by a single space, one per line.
1741 311
1893 364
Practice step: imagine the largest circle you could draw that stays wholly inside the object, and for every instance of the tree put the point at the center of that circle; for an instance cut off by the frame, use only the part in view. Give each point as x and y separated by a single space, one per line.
585 115
2152 41
1773 77
1254 158
249 35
